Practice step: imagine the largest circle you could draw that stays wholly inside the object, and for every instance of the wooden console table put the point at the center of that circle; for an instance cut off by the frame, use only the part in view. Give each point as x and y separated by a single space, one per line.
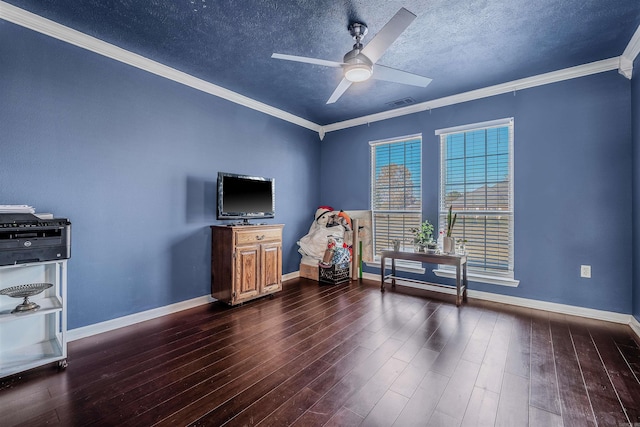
459 261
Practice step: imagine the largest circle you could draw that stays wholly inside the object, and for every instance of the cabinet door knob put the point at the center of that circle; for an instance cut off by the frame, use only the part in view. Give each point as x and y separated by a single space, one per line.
260 237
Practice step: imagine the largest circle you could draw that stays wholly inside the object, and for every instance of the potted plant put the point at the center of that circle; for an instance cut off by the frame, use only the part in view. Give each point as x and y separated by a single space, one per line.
423 237
449 243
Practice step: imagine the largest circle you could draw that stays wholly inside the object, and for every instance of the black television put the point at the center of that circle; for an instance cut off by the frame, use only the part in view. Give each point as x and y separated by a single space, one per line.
245 197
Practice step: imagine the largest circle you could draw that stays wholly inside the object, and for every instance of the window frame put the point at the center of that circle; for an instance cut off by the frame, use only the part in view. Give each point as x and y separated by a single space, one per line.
478 274
405 265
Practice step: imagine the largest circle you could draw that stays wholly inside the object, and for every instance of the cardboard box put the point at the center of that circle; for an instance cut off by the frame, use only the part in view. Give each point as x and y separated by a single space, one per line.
309 271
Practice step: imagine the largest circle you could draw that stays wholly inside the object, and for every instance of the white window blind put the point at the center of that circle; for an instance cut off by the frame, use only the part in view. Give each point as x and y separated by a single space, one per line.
477 182
396 190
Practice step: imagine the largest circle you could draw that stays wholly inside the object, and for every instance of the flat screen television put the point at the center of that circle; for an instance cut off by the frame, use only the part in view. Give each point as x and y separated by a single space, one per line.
245 197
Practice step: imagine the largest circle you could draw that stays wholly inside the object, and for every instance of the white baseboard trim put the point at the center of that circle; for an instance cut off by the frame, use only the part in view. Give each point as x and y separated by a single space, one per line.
572 310
121 322
290 276
132 319
591 313
635 325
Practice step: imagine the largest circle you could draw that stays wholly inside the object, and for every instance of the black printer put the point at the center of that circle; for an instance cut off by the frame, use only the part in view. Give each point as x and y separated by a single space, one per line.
26 238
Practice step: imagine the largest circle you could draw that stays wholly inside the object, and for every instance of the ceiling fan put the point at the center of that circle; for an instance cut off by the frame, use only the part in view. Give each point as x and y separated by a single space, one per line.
359 64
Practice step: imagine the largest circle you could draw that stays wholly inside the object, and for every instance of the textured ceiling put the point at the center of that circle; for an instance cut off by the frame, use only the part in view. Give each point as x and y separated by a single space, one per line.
461 44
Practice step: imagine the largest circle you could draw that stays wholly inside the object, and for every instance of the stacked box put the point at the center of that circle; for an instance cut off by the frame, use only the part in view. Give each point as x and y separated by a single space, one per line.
309 271
335 274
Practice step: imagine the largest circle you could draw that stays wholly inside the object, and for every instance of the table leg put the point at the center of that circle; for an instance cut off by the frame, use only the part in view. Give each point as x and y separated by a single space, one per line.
393 272
464 282
458 285
382 265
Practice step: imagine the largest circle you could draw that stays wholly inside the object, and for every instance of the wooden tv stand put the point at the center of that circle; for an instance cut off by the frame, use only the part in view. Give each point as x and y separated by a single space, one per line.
246 262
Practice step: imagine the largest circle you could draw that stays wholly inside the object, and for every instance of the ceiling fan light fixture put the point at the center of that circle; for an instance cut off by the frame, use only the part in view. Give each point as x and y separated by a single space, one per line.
358 72
357 64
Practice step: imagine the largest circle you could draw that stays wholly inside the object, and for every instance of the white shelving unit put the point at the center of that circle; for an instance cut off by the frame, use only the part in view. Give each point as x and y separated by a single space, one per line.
36 338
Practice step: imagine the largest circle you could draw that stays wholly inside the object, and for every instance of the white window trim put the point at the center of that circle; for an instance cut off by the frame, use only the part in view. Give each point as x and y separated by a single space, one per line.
472 126
401 265
474 275
396 139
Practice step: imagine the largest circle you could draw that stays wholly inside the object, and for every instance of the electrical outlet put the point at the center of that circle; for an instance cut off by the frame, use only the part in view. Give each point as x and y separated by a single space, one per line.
585 271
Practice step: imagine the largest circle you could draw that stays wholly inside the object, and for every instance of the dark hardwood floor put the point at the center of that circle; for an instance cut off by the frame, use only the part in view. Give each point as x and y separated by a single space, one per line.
339 356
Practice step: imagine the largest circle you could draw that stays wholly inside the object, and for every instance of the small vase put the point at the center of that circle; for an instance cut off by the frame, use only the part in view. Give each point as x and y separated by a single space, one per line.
449 245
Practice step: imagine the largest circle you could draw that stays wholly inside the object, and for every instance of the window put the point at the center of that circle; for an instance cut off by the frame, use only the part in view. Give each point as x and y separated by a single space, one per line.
396 192
476 180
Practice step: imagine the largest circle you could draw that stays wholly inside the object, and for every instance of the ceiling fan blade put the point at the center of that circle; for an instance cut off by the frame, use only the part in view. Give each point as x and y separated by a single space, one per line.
342 88
388 34
306 60
380 72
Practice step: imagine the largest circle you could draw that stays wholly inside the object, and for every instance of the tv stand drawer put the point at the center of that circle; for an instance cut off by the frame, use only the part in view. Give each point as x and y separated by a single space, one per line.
258 235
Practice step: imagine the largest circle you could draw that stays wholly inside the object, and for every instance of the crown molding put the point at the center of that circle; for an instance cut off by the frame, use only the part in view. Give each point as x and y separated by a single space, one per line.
512 86
50 28
633 48
629 55
625 67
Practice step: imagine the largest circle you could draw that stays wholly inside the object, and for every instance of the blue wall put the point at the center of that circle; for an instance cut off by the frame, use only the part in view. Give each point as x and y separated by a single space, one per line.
635 114
573 173
132 159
